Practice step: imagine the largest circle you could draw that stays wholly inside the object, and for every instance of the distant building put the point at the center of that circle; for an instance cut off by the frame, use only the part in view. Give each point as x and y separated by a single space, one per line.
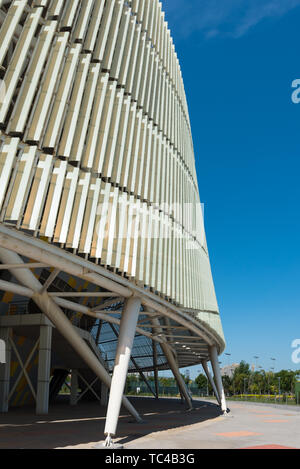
229 370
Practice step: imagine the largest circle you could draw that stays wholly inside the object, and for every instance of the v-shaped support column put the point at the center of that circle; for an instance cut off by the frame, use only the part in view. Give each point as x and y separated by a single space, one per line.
128 325
210 379
61 322
173 365
218 378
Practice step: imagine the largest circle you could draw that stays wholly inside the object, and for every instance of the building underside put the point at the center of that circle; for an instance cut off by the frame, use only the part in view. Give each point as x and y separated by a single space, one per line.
104 262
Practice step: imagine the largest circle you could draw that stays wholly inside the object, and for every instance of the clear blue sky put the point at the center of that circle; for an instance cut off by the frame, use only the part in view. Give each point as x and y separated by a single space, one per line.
238 59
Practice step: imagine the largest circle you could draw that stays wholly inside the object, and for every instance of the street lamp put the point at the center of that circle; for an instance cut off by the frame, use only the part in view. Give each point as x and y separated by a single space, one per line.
245 379
274 360
256 358
228 355
273 369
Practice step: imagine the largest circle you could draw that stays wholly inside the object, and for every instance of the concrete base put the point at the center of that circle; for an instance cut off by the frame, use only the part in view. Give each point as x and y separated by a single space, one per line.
102 446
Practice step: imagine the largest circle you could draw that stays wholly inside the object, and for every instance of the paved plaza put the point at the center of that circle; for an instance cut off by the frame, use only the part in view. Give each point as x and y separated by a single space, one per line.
166 426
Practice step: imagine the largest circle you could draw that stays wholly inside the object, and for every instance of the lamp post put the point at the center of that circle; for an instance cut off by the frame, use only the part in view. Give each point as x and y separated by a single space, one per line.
273 368
274 360
291 381
256 358
228 355
260 368
245 379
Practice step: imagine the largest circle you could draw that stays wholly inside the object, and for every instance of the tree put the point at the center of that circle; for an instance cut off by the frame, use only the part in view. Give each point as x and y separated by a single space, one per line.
243 368
227 384
241 378
257 382
167 382
201 381
286 380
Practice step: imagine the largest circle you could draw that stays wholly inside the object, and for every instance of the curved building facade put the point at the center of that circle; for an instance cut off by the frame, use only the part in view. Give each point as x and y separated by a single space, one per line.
98 187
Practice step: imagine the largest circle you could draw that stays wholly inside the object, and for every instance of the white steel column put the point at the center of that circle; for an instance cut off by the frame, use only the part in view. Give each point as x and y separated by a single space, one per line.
58 318
44 367
210 379
173 365
126 336
5 370
218 378
175 370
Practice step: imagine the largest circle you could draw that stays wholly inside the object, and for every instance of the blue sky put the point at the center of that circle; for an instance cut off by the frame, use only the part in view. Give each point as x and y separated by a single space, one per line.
238 59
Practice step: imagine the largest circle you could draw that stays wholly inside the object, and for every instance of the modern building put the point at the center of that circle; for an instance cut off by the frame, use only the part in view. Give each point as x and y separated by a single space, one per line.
105 267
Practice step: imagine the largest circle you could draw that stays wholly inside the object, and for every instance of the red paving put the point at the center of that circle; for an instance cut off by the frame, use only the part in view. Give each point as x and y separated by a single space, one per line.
260 412
276 421
269 447
237 434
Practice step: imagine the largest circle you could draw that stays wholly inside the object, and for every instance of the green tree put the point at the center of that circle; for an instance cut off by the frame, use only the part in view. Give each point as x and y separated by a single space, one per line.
167 382
201 382
284 380
241 378
257 382
227 384
242 369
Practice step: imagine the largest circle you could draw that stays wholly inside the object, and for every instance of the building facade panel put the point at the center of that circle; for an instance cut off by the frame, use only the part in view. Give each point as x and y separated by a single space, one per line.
96 146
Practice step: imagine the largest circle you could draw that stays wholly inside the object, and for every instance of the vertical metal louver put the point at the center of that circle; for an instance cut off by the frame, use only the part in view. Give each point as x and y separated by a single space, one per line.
96 152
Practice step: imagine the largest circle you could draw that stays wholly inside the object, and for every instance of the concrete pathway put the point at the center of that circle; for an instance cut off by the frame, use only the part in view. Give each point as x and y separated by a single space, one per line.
167 426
